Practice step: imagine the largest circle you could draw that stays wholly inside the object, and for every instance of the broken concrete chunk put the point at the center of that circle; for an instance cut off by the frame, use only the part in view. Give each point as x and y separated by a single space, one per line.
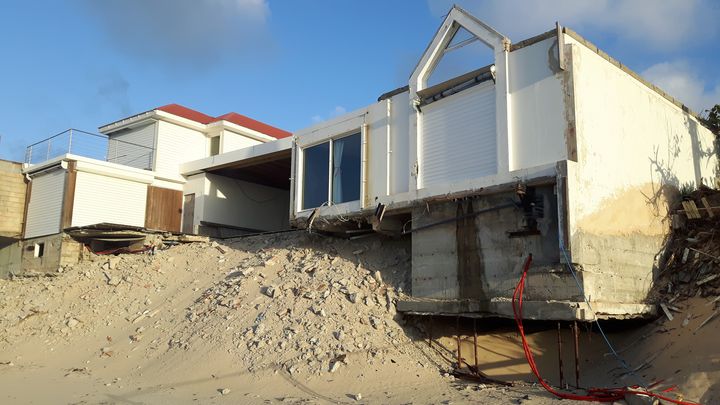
113 262
334 366
269 291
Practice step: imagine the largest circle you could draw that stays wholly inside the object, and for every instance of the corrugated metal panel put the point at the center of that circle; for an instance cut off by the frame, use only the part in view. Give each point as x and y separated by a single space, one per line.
458 139
133 148
101 198
45 206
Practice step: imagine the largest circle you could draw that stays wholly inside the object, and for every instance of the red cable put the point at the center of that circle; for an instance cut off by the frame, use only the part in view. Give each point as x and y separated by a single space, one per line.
594 394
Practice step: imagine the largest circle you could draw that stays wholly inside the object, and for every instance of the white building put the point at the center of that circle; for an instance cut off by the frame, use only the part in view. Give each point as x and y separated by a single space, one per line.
134 180
548 147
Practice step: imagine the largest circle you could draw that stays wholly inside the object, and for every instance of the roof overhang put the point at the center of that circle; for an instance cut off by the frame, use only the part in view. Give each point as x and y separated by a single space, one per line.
236 157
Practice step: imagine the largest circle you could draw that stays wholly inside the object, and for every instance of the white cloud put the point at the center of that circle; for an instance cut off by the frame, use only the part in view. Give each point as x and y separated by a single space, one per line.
183 32
680 80
335 112
661 24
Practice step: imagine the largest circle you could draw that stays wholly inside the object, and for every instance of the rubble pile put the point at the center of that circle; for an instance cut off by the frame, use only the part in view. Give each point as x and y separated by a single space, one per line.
691 265
305 310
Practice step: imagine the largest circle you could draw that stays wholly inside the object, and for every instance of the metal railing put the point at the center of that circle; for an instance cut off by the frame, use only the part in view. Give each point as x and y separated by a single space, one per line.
88 144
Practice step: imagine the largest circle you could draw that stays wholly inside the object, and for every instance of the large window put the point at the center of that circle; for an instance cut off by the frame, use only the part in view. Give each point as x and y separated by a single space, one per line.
332 172
346 169
315 175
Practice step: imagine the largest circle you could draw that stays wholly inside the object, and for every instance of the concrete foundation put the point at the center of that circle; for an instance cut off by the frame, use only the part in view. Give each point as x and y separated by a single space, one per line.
471 265
48 253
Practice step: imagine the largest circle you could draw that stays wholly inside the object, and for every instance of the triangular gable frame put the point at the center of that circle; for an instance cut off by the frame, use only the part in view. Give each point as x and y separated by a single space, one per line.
456 18
500 44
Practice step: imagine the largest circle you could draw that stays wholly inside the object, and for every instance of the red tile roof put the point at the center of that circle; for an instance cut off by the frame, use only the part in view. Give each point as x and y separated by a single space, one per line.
235 118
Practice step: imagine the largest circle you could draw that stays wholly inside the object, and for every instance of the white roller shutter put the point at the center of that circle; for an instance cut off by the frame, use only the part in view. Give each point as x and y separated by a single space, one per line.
45 206
101 198
458 137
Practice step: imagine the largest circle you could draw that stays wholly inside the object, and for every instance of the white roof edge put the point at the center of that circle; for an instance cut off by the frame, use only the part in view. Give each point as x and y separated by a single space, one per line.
241 130
205 164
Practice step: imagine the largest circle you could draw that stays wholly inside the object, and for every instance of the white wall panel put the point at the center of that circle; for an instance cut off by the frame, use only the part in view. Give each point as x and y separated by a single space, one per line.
101 198
235 202
538 110
45 206
400 144
178 145
458 137
233 141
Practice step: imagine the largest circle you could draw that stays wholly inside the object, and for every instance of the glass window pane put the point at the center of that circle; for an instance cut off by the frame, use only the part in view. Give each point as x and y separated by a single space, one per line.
346 169
316 175
214 145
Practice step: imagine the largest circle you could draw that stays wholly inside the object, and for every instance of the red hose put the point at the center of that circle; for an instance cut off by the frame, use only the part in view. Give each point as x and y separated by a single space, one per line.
594 394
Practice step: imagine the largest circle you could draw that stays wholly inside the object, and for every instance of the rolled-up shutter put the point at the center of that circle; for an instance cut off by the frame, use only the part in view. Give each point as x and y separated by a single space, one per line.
458 137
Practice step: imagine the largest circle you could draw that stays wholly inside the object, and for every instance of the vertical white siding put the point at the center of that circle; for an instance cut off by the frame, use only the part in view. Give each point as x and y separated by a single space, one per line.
45 206
101 198
133 148
233 141
177 145
400 144
458 137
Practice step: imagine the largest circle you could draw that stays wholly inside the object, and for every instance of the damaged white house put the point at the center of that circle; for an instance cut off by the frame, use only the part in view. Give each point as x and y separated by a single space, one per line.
548 147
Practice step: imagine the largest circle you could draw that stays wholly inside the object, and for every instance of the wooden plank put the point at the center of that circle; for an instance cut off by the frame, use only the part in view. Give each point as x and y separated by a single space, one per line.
691 209
707 206
163 209
69 195
28 192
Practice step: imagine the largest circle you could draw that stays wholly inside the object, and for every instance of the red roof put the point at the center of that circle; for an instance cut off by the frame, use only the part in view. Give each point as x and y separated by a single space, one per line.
235 118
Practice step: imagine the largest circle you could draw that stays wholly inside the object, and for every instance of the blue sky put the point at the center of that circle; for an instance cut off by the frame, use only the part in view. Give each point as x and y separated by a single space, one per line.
84 63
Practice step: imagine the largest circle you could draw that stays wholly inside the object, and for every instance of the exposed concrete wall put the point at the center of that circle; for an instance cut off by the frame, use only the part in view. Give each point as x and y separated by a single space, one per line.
12 199
635 150
10 257
59 250
476 259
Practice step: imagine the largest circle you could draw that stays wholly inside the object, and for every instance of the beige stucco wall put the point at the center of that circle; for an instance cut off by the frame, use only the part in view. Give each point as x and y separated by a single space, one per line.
635 151
12 198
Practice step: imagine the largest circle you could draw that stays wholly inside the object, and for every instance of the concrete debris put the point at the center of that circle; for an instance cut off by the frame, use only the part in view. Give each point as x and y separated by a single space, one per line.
72 323
639 399
316 316
224 391
357 396
113 262
269 291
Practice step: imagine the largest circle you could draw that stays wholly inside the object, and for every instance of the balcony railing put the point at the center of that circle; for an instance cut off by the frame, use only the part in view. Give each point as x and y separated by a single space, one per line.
95 146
